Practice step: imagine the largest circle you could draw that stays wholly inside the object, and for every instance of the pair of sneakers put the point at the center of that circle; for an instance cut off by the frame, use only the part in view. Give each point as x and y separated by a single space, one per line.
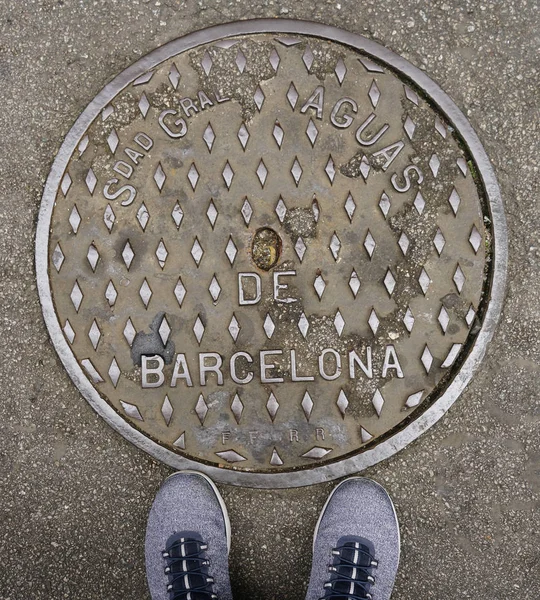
355 546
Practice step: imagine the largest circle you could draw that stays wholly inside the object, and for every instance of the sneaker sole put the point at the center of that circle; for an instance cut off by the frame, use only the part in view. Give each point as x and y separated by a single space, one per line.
219 499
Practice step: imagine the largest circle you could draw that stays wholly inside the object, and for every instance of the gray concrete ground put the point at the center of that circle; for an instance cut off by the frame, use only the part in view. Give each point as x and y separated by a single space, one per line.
75 495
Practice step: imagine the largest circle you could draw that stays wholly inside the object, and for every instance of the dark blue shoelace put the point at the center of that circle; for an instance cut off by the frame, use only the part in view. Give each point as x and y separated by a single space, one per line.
351 570
187 568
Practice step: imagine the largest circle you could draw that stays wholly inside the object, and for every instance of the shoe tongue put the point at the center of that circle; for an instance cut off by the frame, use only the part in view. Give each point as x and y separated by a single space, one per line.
356 553
183 549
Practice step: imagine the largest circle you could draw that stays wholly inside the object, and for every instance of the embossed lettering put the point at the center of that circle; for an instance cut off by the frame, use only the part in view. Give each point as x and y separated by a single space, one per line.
265 367
205 368
391 361
146 371
407 186
354 360
343 120
322 367
232 368
181 371
242 300
375 137
181 123
282 286
389 153
315 101
114 195
294 374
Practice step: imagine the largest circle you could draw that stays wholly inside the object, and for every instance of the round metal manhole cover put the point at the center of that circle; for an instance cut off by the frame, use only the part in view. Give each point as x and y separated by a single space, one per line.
273 251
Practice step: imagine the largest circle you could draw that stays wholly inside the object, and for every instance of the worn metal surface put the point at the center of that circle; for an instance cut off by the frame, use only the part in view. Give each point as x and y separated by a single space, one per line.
295 233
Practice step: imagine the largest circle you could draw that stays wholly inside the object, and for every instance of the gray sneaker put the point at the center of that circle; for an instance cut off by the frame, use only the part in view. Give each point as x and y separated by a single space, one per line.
356 544
187 541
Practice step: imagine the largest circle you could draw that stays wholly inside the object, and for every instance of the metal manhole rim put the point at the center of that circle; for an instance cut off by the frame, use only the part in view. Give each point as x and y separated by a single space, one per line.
358 462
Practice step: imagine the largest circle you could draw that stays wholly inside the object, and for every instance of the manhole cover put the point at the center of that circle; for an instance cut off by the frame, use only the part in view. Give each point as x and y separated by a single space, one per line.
273 251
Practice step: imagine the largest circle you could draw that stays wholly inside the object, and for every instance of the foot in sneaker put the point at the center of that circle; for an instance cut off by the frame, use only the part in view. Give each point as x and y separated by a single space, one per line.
188 540
356 544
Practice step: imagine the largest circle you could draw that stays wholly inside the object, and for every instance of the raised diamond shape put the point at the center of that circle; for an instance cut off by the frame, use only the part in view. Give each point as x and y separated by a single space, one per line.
409 127
365 436
113 141
307 57
92 371
339 323
69 331
459 279
180 292
369 244
373 321
231 456
174 76
462 164
300 248
262 173
243 135
114 372
315 210
378 402
83 145
167 410
389 282
129 332
276 459
427 359
268 326
161 254
177 214
330 169
411 95
434 164
164 330
58 257
342 403
354 283
469 317
274 59
307 405
198 329
340 71
93 256
292 96
144 105
234 328
160 177
94 334
131 410
303 325
365 167
278 134
454 201
228 175
212 213
206 63
335 246
237 408
296 171
452 355
240 61
246 211
143 216
350 206
419 203
66 184
145 78
374 94
259 98
106 112
201 408
214 289
91 181
424 280
384 204
319 285
408 320
145 293
181 441
403 243
76 296
75 219
475 239
317 453
209 136
128 255
414 399
197 251
231 250
443 319
111 293
281 209
272 406
439 241
193 176
109 217
440 127
312 132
